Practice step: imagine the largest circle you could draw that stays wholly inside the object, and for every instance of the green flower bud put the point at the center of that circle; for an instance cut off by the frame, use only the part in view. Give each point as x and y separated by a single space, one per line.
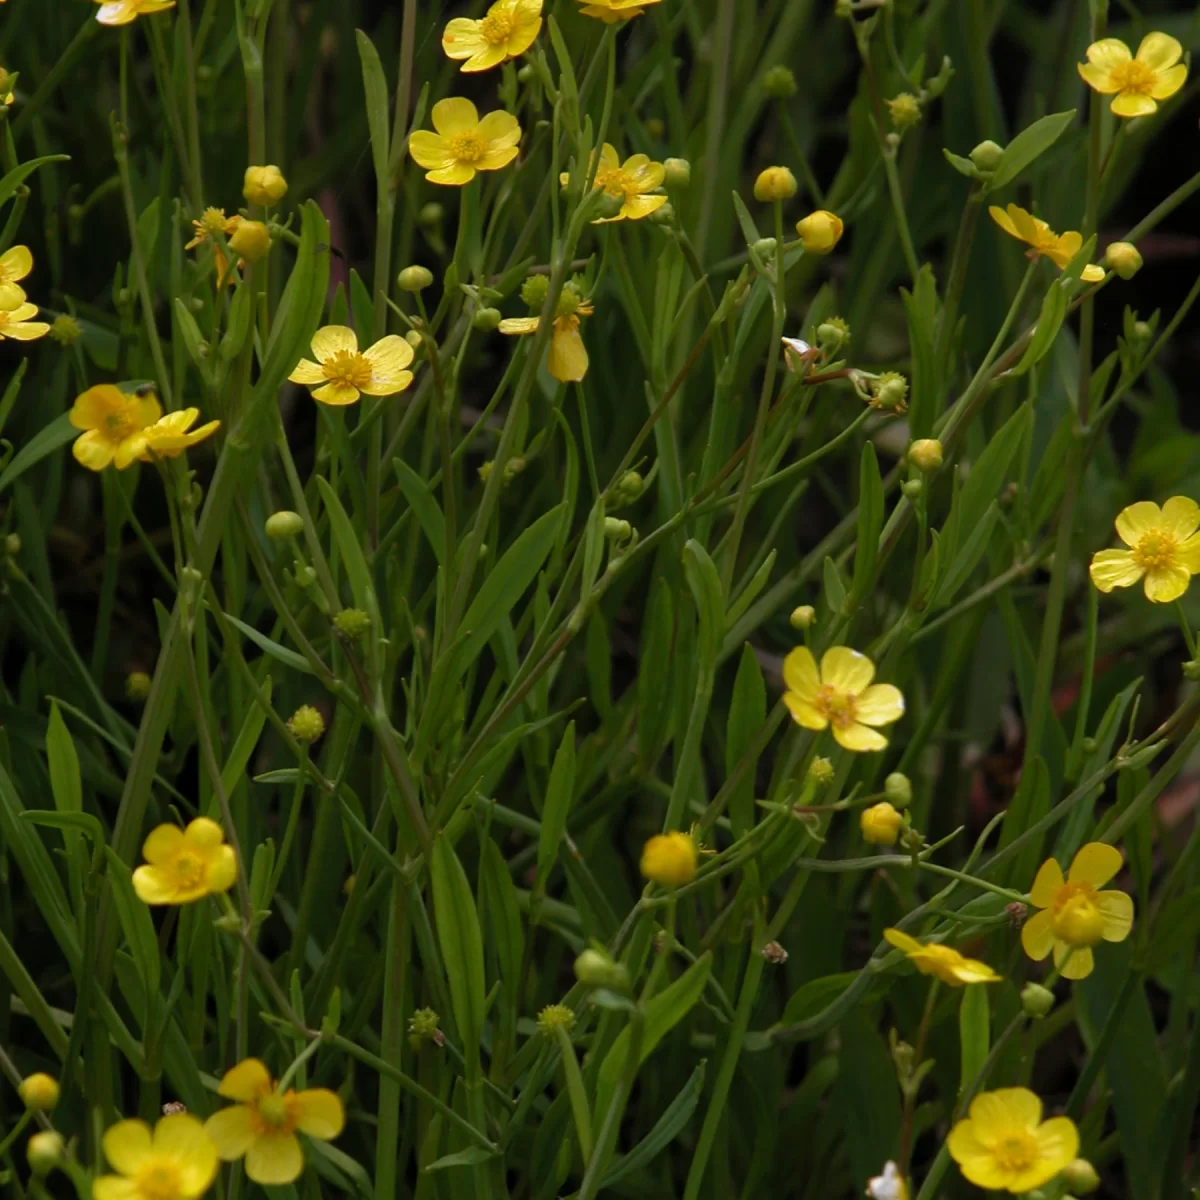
904 110
779 83
45 1151
596 969
617 530
607 206
137 685
889 392
912 488
898 789
986 156
803 617
663 215
284 524
1081 1177
486 319
39 1091
820 771
12 544
1123 257
533 291
414 279
765 247
1036 1001
678 172
925 454
352 623
306 724
833 336
430 214
65 330
628 489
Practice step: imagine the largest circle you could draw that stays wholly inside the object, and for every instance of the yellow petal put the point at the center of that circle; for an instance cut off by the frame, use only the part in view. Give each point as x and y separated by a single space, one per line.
307 372
1181 516
336 394
1133 104
1096 863
1099 79
249 1080
1117 910
1159 51
1169 82
115 1187
485 58
567 359
1136 520
1108 53
1003 220
972 1155
222 870
1037 935
319 1113
1058 1144
181 1137
497 158
972 971
1164 584
231 1131
859 738
1005 1108
334 339
880 704
275 1159
153 886
1114 568
454 115
846 670
1092 273
127 1145
11 295
204 833
16 263
1188 554
801 675
389 386
1046 885
518 325
524 35
1064 249
499 128
901 940
120 12
128 449
25 331
21 313
430 151
646 175
462 38
455 175
1029 228
1076 963
637 207
92 450
162 843
389 356
803 712
91 407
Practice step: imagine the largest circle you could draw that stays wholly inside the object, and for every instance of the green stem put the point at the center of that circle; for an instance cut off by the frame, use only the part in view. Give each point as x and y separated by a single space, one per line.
1099 1052
1188 635
576 1092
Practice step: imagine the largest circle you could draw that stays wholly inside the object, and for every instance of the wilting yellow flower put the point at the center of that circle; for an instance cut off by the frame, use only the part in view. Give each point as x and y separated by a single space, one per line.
15 264
168 437
669 859
611 11
1003 1143
114 424
264 185
176 1162
183 865
506 31
1042 240
888 1186
1075 916
121 12
820 231
567 358
840 694
1139 80
263 1125
15 323
630 181
464 144
1164 549
213 221
944 962
343 371
880 824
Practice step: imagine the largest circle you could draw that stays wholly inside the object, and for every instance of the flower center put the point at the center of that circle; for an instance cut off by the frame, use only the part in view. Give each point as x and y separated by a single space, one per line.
1077 920
159 1180
615 183
1134 76
838 708
348 368
497 27
274 1111
212 220
189 870
467 147
1155 550
1016 1150
118 426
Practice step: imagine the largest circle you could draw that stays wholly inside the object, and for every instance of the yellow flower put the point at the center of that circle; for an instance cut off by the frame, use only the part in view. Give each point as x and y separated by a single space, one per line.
888 1186
1042 240
942 961
669 859
114 424
213 221
630 181
1139 80
774 184
15 264
39 1091
820 231
168 437
1003 1143
840 694
264 185
1164 549
1075 916
121 12
506 31
15 323
464 144
176 1162
343 371
251 240
567 358
263 1125
185 864
880 824
611 11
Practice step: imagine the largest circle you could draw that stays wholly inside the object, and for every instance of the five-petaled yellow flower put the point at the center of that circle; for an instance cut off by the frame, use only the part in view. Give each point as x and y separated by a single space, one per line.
177 1161
1003 1143
464 144
114 424
506 31
944 962
15 264
183 865
611 11
1043 242
1164 549
567 358
840 694
169 436
1075 916
263 1125
1139 80
630 181
343 371
121 12
17 323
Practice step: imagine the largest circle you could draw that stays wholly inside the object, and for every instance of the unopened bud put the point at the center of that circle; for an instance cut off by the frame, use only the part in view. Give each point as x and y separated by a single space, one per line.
12 544
803 617
779 83
45 1151
986 156
39 1091
486 319
617 529
628 489
912 488
820 231
595 969
414 279
664 214
677 172
1081 1177
1123 257
607 206
925 454
1036 1001
414 339
137 685
775 185
765 247
284 524
251 240
898 789
264 185
832 336
430 214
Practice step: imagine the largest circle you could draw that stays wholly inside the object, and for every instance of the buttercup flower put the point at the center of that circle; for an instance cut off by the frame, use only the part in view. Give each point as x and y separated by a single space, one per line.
506 31
880 824
15 264
1075 916
888 1186
611 11
1164 550
630 181
567 358
183 865
343 372
264 185
263 1125
176 1162
1139 80
840 694
114 424
820 231
944 962
464 144
168 437
15 323
1003 1143
1042 240
121 12
669 859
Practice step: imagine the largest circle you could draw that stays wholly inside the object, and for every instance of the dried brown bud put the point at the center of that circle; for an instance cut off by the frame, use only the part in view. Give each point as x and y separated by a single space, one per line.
1017 912
774 953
